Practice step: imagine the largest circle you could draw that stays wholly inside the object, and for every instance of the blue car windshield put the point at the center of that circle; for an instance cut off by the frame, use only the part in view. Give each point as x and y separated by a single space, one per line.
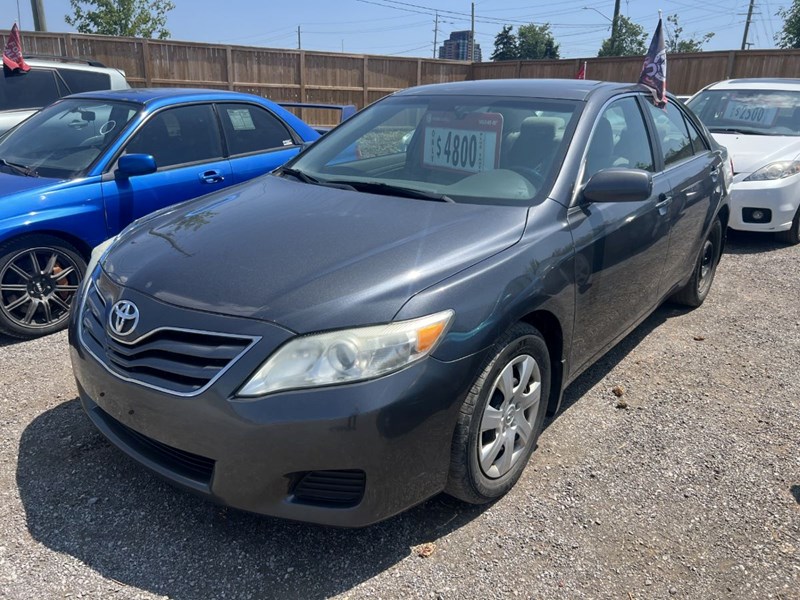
64 139
478 149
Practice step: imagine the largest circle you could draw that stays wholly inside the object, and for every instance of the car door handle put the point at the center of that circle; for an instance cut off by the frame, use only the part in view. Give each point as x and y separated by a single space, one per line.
663 201
714 171
212 176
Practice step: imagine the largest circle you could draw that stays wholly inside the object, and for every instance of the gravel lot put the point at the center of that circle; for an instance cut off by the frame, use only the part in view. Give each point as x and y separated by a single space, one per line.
691 491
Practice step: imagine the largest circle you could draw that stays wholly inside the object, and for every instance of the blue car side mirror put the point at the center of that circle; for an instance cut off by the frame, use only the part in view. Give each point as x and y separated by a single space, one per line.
136 164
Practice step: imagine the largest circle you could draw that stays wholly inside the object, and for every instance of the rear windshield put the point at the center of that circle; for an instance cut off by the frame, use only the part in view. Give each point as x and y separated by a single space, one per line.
757 112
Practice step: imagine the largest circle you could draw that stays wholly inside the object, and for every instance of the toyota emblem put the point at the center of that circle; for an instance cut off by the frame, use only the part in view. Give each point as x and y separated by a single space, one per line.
124 317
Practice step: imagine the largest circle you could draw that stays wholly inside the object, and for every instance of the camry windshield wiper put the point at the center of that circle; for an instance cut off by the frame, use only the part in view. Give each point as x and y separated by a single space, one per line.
387 189
742 130
20 169
297 174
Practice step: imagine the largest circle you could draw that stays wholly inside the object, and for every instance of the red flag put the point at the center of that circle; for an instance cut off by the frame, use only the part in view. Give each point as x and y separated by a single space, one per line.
581 72
654 69
12 55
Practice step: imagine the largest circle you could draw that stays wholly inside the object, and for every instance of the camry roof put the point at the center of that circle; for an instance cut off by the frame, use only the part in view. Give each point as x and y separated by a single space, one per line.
567 89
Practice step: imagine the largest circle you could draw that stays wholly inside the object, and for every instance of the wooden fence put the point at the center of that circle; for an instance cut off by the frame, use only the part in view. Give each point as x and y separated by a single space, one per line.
320 77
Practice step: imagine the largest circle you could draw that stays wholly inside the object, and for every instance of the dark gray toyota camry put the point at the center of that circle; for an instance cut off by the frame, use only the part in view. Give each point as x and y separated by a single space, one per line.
391 315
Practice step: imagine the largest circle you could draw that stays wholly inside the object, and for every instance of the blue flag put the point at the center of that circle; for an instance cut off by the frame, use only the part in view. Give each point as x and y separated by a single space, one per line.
654 70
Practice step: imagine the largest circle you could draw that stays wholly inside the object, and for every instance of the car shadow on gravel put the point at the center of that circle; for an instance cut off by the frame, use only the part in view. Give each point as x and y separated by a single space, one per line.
589 378
84 498
749 242
7 340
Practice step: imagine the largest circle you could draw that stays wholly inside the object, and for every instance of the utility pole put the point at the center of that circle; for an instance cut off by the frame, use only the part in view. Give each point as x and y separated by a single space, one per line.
747 24
435 33
298 38
39 23
615 25
472 36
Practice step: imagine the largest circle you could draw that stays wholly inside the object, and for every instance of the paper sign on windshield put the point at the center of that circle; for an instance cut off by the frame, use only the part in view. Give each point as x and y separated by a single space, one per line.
470 144
750 113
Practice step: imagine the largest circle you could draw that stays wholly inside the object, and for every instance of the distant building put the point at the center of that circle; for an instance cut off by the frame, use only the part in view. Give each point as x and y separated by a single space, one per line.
457 47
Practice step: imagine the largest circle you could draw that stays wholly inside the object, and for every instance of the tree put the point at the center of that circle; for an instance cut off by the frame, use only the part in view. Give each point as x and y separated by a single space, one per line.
134 18
789 37
631 40
674 43
536 41
505 45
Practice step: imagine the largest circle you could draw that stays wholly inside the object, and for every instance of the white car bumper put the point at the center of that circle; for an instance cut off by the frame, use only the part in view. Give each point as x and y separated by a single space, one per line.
777 200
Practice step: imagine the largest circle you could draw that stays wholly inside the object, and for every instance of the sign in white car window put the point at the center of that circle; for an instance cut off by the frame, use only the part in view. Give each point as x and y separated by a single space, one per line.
470 144
749 112
241 119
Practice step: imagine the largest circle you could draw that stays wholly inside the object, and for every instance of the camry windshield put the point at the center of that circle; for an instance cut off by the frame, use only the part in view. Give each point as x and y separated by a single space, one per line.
449 148
755 112
64 139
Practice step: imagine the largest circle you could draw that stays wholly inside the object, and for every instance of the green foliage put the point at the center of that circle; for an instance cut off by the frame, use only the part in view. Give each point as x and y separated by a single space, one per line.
505 45
789 37
631 40
133 18
674 43
536 41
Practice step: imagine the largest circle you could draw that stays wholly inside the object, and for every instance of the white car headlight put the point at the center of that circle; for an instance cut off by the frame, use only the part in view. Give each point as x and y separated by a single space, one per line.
98 253
776 170
348 355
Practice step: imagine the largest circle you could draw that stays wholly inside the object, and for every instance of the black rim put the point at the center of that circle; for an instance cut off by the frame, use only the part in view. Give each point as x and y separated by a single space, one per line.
37 287
707 262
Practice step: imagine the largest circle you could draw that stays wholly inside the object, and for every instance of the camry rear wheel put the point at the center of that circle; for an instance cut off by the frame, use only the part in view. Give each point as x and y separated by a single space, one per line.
39 277
695 291
501 418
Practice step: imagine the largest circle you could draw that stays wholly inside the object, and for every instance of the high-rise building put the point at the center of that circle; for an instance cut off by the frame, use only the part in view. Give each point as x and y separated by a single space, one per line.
457 47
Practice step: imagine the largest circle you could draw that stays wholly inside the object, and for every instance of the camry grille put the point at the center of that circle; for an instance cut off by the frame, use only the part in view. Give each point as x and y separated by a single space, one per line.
178 361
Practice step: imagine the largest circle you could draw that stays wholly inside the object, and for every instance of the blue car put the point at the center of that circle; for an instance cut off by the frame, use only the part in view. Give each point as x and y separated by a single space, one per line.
85 167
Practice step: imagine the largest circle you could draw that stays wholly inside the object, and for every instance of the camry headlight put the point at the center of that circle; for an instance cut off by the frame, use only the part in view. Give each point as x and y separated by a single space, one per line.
348 355
776 170
98 253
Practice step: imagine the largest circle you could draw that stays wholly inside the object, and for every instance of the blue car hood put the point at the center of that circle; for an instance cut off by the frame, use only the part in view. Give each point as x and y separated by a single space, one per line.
13 184
304 256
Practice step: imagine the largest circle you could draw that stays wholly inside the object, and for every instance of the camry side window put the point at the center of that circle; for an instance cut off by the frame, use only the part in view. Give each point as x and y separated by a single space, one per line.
619 140
697 140
249 129
178 136
672 133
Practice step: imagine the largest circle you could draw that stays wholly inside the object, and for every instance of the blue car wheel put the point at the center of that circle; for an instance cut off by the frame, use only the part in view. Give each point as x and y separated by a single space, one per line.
39 277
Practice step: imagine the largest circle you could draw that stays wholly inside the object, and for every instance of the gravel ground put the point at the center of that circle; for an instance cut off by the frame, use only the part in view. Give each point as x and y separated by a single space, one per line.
688 486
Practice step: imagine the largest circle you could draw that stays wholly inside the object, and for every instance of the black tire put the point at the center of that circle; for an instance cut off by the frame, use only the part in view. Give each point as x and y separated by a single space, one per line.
792 235
695 291
468 479
39 277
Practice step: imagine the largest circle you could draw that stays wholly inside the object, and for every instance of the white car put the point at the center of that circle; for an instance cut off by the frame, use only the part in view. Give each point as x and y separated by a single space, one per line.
50 78
759 122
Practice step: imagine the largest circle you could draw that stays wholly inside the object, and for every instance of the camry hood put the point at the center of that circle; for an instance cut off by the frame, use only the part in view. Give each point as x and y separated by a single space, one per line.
751 152
304 256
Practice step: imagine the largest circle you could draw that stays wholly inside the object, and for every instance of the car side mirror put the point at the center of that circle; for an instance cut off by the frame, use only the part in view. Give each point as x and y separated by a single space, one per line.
136 164
619 185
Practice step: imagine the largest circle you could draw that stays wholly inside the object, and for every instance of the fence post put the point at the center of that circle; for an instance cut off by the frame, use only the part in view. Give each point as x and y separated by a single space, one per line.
148 79
364 80
419 71
68 44
229 66
302 76
519 69
731 64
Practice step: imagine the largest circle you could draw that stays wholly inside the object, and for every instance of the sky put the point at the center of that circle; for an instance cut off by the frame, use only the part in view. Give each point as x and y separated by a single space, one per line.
406 28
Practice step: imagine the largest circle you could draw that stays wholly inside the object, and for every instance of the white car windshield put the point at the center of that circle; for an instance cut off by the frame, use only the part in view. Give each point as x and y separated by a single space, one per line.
64 139
754 112
460 148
